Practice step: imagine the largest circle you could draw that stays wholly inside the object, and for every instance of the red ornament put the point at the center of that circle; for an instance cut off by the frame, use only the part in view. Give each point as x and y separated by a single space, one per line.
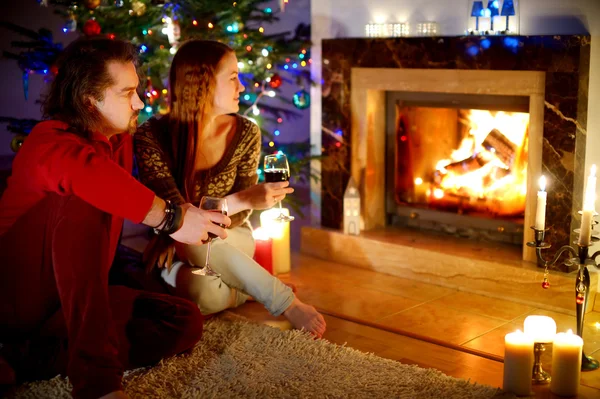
275 81
545 284
91 28
580 299
54 70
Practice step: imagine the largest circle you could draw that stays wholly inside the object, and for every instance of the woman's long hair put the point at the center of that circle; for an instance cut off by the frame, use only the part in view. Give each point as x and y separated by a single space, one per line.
192 81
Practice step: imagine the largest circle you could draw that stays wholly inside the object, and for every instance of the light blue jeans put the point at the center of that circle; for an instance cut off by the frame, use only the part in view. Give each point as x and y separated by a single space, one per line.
240 277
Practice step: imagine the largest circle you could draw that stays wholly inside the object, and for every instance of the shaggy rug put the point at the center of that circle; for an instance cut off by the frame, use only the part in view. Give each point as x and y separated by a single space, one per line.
240 359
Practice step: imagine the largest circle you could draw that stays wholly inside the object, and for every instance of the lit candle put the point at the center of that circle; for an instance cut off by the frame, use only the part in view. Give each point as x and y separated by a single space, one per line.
263 251
541 329
566 364
589 199
518 363
590 190
280 234
540 212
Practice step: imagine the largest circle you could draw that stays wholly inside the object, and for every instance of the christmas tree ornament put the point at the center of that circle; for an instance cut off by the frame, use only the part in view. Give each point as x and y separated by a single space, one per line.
275 81
282 4
545 283
91 27
118 3
173 31
163 108
580 299
71 25
92 4
301 99
26 83
138 8
149 93
17 142
54 70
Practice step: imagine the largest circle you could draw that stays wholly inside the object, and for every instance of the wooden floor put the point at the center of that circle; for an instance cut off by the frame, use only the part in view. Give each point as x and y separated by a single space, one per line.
458 333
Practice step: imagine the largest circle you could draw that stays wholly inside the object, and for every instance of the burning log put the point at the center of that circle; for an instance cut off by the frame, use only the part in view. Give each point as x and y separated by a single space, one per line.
467 165
497 143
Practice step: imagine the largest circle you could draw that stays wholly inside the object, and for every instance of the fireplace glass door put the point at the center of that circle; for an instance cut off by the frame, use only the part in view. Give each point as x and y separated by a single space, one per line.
458 162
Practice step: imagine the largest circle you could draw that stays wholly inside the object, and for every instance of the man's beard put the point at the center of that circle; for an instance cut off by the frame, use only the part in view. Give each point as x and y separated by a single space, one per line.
132 128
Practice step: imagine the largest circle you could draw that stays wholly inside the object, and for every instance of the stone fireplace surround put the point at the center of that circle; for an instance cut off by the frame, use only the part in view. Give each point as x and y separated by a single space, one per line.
551 70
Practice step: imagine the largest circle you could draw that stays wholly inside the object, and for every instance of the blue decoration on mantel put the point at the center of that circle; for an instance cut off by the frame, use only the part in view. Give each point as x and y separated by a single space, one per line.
508 10
477 11
493 11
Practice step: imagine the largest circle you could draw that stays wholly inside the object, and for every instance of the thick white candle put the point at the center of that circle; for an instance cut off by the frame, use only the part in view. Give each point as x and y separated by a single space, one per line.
540 210
518 363
280 234
566 364
541 329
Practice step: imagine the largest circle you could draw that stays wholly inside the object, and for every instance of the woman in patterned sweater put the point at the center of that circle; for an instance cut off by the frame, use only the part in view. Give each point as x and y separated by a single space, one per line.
204 148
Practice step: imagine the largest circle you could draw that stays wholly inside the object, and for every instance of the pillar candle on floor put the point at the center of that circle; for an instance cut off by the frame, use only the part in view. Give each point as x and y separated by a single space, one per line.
518 363
263 252
280 234
541 328
566 364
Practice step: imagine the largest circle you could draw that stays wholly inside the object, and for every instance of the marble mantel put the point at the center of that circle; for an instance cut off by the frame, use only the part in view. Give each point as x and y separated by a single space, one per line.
563 63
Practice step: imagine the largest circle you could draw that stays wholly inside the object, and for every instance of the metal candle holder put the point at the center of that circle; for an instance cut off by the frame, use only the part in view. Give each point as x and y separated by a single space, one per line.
581 257
538 375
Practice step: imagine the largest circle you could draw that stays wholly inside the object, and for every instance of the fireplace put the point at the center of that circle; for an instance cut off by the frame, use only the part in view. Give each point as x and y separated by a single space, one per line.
542 78
457 163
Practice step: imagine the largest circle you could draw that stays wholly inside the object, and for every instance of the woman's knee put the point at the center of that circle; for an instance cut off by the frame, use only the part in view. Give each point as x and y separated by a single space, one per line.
213 298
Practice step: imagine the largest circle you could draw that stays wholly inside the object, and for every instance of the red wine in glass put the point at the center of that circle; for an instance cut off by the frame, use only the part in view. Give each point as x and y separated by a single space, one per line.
277 169
276 175
223 212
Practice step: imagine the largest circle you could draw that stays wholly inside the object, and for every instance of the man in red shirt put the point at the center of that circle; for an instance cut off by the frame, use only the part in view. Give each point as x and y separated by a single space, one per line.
60 220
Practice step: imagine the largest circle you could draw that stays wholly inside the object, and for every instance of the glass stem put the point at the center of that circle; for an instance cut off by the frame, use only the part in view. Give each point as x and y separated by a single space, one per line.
207 254
280 208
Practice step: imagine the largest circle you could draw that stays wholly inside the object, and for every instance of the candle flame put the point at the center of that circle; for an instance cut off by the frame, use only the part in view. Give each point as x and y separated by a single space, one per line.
542 183
569 331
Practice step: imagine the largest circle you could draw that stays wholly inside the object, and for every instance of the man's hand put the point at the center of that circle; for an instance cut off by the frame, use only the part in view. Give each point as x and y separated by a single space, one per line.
197 223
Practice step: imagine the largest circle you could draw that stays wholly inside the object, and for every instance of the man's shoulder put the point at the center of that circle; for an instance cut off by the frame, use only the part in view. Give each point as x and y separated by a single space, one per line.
53 130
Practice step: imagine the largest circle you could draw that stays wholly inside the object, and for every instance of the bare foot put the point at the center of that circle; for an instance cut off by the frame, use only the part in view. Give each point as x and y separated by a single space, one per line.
303 316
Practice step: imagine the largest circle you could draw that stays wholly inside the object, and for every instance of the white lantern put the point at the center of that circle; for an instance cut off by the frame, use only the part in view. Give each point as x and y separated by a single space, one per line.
352 209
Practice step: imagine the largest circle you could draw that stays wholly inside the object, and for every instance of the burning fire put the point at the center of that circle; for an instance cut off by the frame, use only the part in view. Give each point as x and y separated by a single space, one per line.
489 169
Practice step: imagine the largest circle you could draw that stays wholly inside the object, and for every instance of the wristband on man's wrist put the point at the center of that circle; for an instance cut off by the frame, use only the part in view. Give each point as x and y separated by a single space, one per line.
172 221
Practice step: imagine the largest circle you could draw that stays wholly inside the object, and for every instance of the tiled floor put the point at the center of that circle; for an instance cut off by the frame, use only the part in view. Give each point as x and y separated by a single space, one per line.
461 319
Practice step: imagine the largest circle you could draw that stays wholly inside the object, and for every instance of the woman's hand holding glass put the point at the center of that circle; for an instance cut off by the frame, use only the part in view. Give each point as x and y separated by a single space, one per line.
265 195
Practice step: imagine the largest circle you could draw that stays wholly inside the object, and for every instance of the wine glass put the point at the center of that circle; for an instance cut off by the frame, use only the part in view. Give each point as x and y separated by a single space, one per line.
211 204
278 169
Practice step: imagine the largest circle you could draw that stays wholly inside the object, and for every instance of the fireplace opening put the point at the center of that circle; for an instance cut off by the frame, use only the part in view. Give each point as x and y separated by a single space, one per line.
458 163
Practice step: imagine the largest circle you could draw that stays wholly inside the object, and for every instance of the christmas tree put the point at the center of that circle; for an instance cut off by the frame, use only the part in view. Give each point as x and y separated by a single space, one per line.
157 28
